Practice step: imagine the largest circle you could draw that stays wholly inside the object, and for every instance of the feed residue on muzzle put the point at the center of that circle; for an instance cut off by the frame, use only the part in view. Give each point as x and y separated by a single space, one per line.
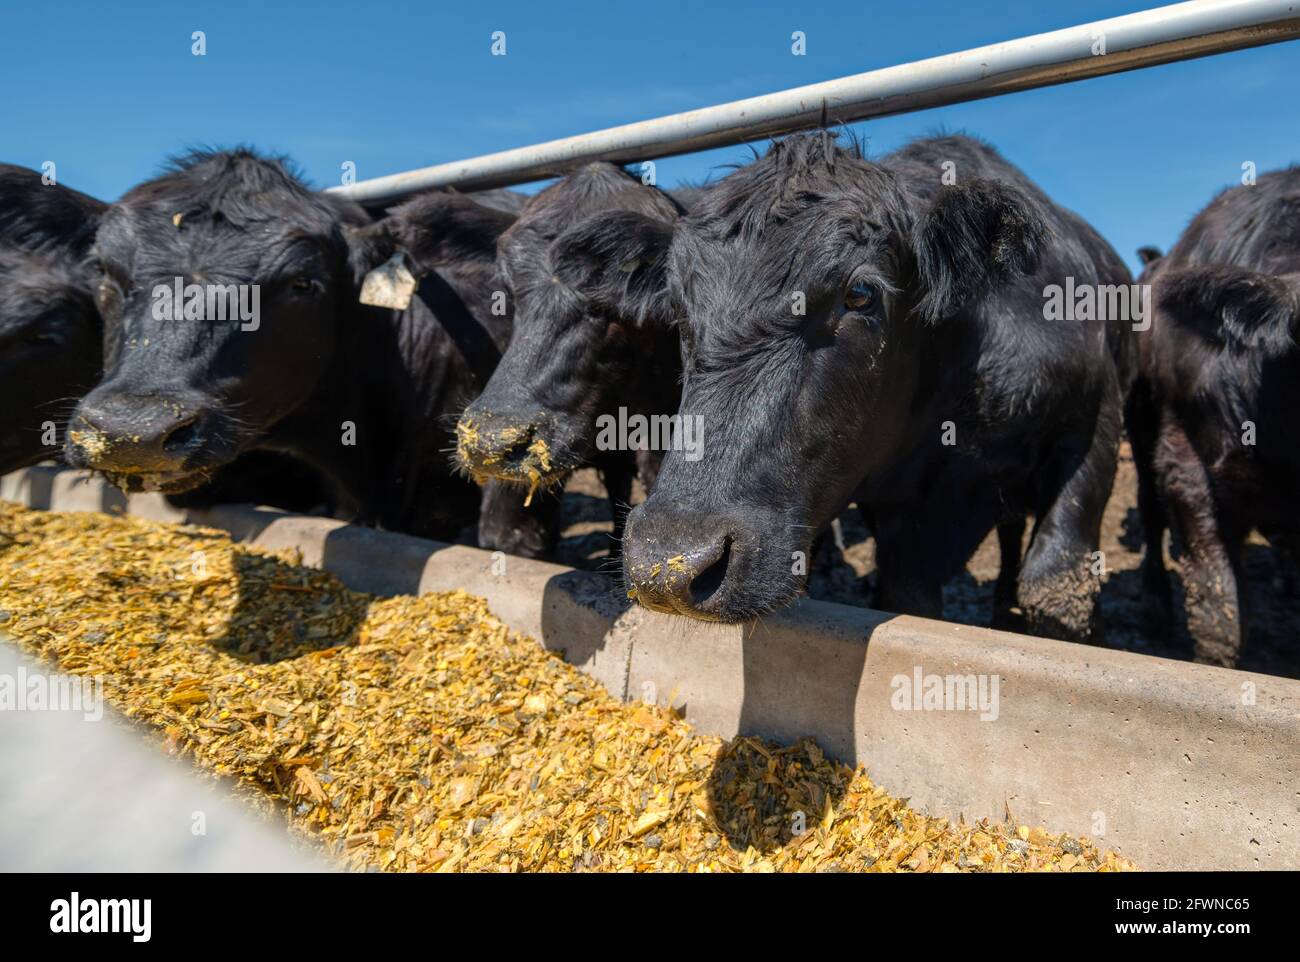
92 442
478 453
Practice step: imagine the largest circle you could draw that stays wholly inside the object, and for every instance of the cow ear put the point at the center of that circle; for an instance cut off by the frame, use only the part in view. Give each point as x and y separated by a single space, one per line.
428 231
618 261
1230 306
36 215
443 228
974 237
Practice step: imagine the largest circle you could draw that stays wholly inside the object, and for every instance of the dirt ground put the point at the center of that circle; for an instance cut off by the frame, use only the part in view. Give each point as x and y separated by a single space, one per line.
846 576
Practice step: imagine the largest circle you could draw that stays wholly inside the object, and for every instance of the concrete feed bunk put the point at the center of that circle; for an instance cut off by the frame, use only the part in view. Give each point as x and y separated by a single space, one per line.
1173 764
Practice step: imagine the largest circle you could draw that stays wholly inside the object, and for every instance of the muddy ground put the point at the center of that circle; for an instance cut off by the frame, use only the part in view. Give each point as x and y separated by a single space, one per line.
846 576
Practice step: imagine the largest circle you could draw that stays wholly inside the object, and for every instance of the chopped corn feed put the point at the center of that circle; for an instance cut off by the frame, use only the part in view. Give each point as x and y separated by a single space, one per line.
420 734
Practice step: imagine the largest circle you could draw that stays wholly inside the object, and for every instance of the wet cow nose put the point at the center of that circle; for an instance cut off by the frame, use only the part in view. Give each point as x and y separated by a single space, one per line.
686 574
133 434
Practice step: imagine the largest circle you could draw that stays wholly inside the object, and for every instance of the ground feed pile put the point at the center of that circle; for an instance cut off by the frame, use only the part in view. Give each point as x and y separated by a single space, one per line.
420 734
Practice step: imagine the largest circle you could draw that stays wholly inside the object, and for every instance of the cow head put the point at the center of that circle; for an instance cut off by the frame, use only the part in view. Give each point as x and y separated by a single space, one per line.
586 293
49 352
49 328
229 293
810 282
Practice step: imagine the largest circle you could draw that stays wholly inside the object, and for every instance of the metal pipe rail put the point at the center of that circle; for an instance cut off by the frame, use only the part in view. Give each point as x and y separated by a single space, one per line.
1182 31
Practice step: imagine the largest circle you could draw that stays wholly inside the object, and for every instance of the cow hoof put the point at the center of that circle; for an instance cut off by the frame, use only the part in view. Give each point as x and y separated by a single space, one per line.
1216 638
1064 606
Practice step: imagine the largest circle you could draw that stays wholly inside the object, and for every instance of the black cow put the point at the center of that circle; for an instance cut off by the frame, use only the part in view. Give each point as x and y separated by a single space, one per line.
51 343
230 298
1212 417
49 328
579 365
859 331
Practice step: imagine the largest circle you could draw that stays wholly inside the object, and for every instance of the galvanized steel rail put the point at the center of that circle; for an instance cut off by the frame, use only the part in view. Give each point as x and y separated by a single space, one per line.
1181 31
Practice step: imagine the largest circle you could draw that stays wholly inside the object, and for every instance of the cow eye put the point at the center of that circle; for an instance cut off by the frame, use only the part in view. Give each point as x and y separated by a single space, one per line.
302 283
860 296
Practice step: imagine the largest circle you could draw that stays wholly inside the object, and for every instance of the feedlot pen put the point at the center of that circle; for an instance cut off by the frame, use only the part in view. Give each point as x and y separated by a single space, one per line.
1192 766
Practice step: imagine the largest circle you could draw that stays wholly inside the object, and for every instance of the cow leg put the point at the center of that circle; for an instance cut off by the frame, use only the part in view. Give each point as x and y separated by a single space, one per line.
1212 578
907 581
617 478
1142 420
1060 582
506 524
1211 561
918 549
1011 535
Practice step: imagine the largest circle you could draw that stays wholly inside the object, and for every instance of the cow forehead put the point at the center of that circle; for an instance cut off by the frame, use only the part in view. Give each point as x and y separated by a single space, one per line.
813 248
549 215
796 176
596 187
150 240
539 302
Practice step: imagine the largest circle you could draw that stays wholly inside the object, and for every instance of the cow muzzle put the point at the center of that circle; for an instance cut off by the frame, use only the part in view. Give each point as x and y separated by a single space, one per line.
141 442
515 449
704 565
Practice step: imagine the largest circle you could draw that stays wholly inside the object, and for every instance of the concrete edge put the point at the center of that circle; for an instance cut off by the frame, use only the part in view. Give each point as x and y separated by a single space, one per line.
1177 765
81 791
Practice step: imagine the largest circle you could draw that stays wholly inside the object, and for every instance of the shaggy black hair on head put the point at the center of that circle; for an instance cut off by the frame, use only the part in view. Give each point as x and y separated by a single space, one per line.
789 221
239 186
36 216
590 189
230 211
31 281
618 261
1224 279
600 230
795 174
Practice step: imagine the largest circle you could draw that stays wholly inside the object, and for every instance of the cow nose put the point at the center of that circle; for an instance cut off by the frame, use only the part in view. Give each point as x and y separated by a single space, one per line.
133 435
680 568
503 447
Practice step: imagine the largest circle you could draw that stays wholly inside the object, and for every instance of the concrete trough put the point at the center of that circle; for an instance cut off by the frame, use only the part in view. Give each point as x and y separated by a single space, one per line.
1176 765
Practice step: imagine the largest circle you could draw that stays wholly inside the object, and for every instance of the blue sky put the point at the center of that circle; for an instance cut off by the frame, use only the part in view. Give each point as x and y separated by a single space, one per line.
107 90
